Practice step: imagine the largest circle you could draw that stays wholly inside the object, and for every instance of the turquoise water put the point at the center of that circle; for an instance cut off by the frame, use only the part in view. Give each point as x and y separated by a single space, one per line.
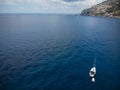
56 52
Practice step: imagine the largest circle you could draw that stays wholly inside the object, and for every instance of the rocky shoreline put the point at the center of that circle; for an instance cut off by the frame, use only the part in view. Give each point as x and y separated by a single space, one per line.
109 8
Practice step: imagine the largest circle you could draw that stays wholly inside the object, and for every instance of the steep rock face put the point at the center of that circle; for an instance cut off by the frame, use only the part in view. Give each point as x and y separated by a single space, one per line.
106 8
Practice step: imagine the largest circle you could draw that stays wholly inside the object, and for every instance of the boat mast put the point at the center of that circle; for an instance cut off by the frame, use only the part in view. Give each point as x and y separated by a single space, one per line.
94 62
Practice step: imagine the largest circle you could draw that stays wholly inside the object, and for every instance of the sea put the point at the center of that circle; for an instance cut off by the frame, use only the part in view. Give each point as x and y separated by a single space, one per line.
56 52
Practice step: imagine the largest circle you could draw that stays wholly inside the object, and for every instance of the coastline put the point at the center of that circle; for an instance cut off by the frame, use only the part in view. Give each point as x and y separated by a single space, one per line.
117 17
108 8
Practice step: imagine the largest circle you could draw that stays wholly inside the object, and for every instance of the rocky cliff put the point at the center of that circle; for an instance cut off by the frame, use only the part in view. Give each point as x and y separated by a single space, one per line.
107 8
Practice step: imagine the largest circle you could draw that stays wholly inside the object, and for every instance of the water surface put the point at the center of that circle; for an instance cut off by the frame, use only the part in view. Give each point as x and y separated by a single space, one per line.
56 52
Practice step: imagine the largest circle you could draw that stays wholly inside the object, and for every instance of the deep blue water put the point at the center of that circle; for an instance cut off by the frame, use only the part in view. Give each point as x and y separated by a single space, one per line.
56 52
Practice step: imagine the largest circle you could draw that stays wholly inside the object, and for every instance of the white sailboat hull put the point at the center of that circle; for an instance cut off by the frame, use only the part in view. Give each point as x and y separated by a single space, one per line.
92 72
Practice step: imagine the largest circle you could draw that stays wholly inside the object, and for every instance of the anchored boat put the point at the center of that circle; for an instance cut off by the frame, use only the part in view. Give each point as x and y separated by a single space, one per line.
92 72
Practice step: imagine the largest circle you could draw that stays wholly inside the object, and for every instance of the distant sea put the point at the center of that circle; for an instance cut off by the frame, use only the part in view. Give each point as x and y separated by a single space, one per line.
56 52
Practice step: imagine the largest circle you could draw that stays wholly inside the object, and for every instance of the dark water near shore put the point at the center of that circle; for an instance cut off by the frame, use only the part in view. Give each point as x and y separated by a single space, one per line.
56 52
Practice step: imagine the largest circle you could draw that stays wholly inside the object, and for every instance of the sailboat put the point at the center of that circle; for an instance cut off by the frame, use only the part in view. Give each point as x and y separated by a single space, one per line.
92 72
